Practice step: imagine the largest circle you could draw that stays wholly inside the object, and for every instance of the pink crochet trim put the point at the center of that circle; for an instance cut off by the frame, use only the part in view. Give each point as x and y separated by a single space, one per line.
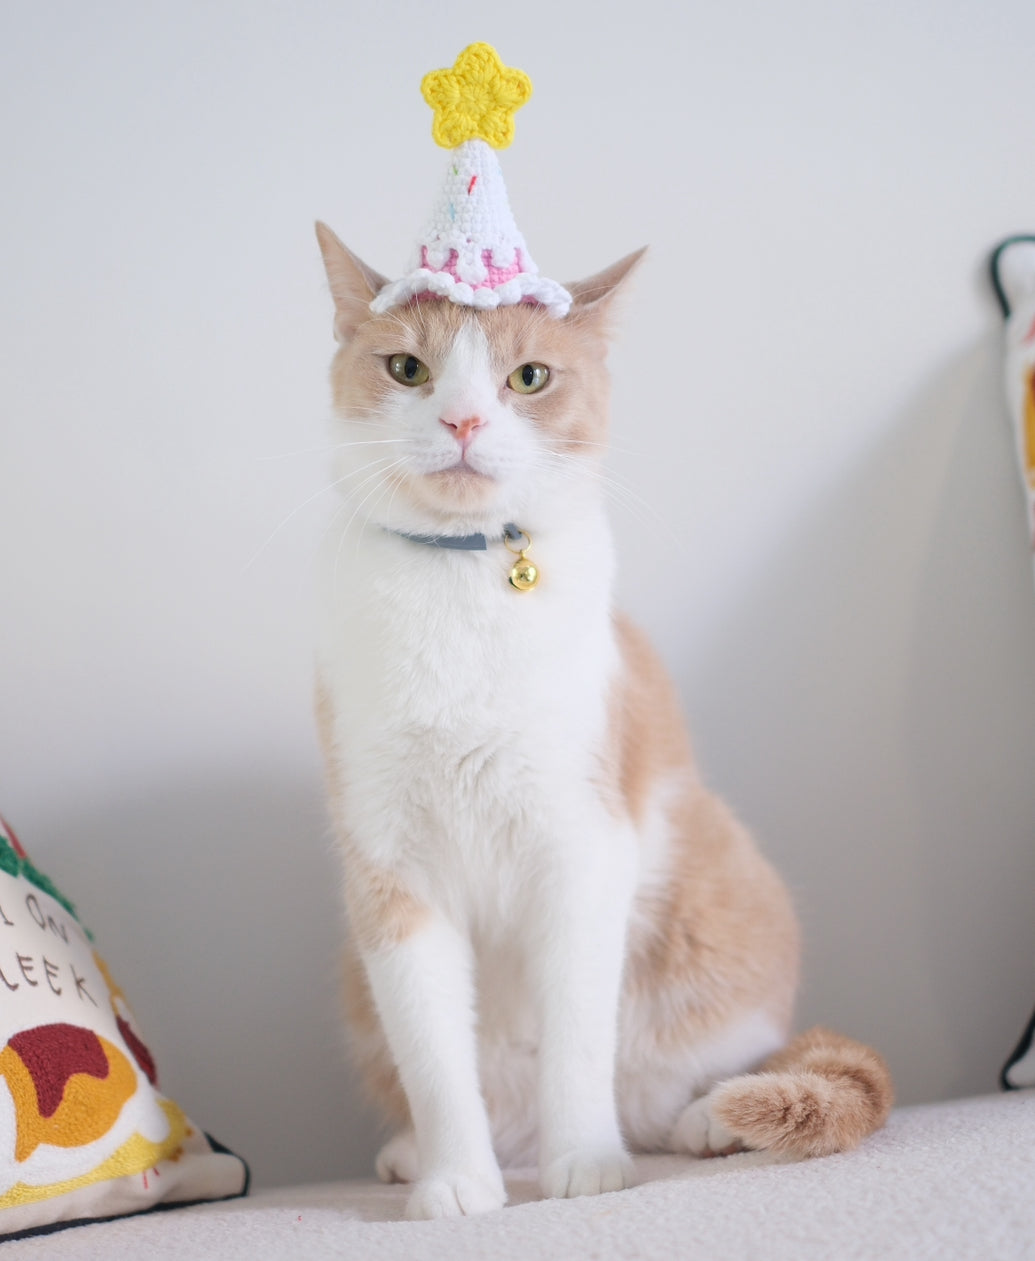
496 277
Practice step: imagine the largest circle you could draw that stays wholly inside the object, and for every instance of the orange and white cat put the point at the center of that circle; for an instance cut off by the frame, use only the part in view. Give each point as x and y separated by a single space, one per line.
561 946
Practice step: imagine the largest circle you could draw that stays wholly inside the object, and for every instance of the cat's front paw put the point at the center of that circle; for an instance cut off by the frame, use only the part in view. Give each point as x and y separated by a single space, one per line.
586 1173
454 1195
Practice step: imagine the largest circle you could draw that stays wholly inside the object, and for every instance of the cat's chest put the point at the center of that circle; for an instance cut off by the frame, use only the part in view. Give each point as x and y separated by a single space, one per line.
425 641
466 713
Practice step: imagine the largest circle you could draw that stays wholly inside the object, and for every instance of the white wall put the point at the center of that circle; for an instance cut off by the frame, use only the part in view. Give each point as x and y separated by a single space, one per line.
830 549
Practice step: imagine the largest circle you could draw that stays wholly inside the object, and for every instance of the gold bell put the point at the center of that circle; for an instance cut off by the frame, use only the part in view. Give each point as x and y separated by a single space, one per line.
524 575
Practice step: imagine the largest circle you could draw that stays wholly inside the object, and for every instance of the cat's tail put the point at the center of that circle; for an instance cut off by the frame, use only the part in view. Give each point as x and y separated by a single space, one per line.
823 1093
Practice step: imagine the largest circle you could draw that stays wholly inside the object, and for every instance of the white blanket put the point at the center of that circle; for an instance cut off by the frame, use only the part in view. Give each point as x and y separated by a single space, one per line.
952 1181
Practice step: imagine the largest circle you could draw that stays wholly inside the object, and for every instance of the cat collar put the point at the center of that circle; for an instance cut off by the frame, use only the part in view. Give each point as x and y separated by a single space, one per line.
523 576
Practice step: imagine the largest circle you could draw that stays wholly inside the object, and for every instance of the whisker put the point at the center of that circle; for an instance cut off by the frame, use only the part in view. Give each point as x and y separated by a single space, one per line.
380 473
348 525
382 467
621 494
577 443
334 446
305 502
384 489
391 502
368 442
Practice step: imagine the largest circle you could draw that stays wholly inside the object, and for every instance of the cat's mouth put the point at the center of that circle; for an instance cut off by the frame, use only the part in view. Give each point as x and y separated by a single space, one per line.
463 470
460 485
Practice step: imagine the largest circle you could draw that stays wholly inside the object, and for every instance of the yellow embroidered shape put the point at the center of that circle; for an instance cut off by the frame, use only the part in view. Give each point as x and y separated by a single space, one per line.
136 1155
87 1107
475 100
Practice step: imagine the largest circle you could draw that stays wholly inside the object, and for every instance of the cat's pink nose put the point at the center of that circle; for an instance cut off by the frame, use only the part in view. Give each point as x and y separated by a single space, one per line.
463 430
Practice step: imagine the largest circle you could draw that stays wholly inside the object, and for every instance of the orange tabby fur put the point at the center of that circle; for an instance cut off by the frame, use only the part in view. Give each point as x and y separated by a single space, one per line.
823 1093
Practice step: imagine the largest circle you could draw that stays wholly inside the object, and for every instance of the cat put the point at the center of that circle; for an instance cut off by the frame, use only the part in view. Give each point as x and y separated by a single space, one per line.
562 947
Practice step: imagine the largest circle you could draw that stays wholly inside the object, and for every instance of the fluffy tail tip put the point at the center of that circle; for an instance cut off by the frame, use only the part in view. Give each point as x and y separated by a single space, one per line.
823 1093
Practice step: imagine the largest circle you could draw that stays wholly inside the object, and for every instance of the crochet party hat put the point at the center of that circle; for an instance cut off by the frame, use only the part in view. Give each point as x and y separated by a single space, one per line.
471 251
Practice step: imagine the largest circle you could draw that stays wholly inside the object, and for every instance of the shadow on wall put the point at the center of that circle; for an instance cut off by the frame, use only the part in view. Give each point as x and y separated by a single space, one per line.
871 711
215 903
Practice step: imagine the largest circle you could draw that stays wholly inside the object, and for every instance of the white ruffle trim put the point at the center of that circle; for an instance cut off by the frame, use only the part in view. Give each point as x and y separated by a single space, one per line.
547 293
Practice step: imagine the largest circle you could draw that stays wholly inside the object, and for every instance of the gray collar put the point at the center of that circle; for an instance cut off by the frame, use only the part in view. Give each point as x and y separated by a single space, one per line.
462 542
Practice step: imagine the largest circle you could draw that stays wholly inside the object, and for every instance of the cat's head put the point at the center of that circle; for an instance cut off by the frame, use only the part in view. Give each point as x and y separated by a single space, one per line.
455 420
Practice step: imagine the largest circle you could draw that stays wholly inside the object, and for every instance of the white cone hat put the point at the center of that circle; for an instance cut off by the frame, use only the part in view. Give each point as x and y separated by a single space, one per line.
471 251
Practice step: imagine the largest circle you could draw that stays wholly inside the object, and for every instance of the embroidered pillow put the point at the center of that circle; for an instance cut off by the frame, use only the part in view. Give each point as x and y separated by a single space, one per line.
85 1132
1013 278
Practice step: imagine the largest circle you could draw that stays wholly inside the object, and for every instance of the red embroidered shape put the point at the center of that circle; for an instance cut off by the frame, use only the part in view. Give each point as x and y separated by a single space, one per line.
54 1053
144 1058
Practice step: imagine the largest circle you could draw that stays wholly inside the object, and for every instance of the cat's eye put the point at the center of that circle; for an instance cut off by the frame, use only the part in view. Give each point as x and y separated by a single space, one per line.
529 378
408 369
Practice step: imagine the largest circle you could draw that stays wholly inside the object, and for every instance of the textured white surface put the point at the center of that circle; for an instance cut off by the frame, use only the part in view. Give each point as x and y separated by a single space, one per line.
951 1182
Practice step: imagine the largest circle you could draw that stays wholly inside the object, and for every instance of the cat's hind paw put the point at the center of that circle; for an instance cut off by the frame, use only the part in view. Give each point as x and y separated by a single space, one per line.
586 1173
454 1195
699 1132
397 1160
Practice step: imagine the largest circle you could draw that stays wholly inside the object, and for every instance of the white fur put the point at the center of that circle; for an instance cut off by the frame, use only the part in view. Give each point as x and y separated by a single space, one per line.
469 721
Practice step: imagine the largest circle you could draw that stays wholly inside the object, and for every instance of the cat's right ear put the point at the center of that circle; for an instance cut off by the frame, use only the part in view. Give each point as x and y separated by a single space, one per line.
596 292
353 284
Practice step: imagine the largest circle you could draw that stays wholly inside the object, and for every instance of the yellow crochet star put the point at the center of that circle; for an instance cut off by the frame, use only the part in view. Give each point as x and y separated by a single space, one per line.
475 100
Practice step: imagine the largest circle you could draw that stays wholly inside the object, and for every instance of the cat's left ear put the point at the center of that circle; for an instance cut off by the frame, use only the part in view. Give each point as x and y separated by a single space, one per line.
595 293
353 284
